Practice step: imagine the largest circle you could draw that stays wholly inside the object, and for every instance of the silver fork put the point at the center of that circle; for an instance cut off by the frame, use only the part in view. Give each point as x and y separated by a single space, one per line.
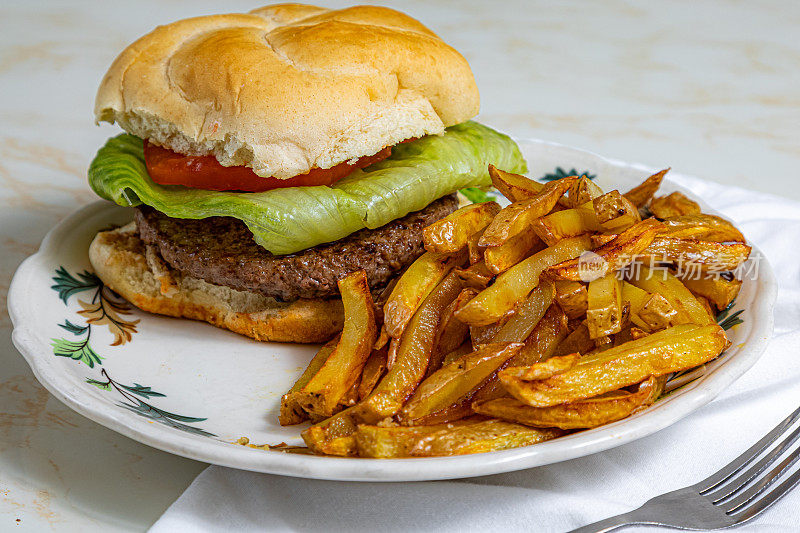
730 497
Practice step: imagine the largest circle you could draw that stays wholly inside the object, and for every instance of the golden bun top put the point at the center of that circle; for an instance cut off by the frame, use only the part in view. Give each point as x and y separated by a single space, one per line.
287 88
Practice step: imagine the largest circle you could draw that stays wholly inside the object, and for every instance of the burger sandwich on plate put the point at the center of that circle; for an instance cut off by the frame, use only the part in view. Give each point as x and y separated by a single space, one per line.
269 154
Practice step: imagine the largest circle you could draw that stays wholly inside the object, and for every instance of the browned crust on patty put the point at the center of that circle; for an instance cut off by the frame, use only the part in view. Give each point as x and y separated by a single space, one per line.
221 251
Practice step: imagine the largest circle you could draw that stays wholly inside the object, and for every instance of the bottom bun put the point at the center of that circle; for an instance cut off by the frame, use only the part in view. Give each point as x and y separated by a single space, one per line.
138 274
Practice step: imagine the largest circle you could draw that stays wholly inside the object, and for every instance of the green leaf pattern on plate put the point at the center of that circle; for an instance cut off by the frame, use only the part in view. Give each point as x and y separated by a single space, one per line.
104 309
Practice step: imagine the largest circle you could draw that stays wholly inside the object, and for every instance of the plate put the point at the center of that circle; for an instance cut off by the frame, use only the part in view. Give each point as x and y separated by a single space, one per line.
192 389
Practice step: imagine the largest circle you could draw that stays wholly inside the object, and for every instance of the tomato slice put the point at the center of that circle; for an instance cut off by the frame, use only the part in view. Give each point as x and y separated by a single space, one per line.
205 172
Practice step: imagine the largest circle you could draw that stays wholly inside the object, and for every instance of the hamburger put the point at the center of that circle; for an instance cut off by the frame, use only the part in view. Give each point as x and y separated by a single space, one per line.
268 154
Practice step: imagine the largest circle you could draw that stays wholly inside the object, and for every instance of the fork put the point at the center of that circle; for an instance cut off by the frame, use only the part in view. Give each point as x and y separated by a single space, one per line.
729 497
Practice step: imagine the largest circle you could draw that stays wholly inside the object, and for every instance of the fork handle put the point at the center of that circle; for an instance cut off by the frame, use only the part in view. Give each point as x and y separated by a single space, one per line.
612 523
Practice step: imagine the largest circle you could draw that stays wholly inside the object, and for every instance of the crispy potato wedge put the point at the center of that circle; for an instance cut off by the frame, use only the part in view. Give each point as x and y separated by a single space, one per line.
414 286
458 353
604 312
572 297
291 413
679 297
613 255
455 381
657 313
705 255
474 250
673 205
342 369
514 285
484 334
452 233
451 332
702 228
539 345
476 275
374 369
413 354
487 436
567 223
388 442
515 187
334 435
527 315
641 195
615 212
545 369
582 414
577 341
670 350
719 291
581 191
517 217
498 259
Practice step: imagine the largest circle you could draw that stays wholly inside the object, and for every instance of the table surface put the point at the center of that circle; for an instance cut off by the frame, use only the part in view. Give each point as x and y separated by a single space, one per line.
707 87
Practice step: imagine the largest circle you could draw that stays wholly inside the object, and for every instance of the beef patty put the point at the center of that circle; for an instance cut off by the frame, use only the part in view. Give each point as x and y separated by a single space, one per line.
221 250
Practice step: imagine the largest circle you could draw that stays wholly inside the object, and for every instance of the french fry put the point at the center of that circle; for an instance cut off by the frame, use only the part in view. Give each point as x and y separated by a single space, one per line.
474 250
706 255
452 413
451 234
334 435
484 334
487 436
539 345
517 217
513 285
374 369
582 414
614 212
719 291
615 254
577 341
702 228
573 297
451 332
657 313
527 315
500 258
476 275
641 195
675 204
604 312
414 286
291 413
458 353
413 354
581 191
679 297
567 223
514 186
342 369
388 442
670 350
546 368
455 381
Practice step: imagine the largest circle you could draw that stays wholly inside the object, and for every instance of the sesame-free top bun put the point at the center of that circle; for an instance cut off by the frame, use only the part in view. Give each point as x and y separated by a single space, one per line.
288 88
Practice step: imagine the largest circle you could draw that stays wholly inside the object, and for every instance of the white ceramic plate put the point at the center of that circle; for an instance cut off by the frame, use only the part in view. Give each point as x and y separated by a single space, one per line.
191 389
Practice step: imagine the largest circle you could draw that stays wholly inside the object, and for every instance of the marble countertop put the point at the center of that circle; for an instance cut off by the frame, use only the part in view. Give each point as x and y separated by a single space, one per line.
707 87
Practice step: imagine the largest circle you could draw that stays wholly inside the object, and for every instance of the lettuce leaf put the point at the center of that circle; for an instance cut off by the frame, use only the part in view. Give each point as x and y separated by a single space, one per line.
288 220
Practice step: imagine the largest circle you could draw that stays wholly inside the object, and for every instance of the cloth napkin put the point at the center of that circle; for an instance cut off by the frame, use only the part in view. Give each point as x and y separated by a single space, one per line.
565 495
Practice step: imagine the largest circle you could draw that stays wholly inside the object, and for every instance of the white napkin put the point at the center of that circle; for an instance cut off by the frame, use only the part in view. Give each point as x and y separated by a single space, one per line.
566 495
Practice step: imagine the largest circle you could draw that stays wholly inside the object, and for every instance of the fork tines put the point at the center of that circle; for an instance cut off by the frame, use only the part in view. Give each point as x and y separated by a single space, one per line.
741 490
